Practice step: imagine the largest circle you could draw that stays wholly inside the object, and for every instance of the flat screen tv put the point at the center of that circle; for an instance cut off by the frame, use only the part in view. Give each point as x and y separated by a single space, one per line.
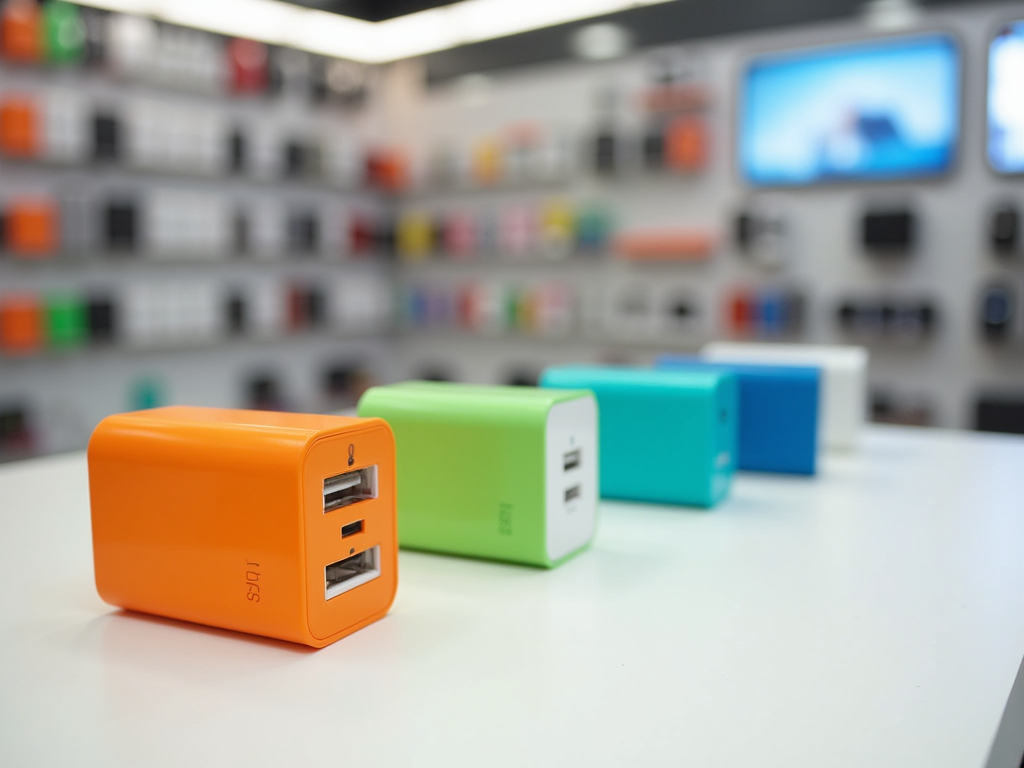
877 110
1006 99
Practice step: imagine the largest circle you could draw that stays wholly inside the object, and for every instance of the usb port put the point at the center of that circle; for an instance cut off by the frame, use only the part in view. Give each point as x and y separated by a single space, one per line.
342 490
347 574
351 529
571 460
572 493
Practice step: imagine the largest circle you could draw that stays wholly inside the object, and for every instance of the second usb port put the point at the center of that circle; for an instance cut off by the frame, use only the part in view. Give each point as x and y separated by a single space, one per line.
342 490
571 494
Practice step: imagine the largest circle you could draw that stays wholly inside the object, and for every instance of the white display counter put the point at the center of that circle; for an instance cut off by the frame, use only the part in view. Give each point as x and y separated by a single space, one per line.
873 616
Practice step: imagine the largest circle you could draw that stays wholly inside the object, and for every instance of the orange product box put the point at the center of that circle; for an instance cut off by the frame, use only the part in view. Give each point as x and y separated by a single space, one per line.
21 324
275 524
686 144
666 245
32 227
739 312
21 31
19 127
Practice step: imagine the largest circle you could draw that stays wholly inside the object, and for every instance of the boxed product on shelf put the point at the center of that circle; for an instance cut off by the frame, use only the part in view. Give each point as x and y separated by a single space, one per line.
22 329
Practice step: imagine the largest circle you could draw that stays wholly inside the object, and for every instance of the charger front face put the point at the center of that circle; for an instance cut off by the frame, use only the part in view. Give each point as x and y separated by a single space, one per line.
349 490
570 476
276 524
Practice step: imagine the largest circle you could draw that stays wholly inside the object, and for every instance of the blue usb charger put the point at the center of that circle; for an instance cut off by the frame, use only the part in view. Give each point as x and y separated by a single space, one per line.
778 412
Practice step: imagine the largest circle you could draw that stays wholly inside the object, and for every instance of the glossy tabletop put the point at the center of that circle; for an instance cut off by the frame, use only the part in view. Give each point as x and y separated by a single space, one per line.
872 616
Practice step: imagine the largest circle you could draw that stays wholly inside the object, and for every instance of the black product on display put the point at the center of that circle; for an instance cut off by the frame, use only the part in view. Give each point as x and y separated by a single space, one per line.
236 314
744 228
605 150
522 377
762 235
94 22
1004 229
889 408
15 431
340 379
316 308
120 224
101 318
384 235
264 392
303 232
294 159
913 320
888 231
889 319
240 232
106 137
1000 413
654 149
997 312
237 152
860 317
681 309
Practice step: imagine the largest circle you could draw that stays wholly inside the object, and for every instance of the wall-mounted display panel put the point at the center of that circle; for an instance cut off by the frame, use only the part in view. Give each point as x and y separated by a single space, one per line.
1006 99
877 110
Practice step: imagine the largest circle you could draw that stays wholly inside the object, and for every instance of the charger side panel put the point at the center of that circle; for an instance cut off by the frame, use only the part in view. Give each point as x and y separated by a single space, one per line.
188 515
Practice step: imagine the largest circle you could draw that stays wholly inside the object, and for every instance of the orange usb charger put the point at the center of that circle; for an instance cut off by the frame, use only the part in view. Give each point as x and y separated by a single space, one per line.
276 524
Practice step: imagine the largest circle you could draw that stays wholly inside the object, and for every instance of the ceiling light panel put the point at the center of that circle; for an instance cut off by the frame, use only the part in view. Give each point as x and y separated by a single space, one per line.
331 34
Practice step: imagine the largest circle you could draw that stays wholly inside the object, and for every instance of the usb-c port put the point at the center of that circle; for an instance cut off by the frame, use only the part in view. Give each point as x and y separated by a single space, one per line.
351 529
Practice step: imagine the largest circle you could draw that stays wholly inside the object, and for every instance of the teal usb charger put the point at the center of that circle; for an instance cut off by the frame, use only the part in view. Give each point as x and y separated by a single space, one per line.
665 436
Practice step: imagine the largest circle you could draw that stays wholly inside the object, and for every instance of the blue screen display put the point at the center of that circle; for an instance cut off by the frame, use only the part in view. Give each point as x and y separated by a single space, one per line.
886 109
1006 99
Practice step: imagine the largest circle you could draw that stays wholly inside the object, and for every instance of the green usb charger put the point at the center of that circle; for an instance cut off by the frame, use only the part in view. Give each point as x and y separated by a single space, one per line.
502 473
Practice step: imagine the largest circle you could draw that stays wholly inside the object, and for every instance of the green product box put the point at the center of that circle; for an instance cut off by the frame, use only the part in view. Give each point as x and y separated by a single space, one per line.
502 473
65 321
64 32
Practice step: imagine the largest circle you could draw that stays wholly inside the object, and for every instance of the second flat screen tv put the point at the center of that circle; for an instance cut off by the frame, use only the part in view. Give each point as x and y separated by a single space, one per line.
871 111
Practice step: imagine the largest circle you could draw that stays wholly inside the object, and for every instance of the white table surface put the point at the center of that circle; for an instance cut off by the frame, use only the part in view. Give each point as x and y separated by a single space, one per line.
873 616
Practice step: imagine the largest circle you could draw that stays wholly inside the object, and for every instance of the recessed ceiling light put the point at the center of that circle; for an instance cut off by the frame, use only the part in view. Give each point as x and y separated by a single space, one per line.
598 42
891 15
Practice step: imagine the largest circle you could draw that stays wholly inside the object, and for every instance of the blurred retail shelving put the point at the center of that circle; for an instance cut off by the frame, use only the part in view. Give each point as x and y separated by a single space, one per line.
187 216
